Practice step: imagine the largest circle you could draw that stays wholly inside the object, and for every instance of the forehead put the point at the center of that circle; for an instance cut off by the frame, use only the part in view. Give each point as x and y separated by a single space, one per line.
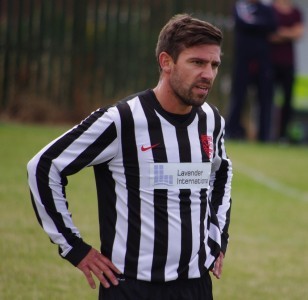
206 52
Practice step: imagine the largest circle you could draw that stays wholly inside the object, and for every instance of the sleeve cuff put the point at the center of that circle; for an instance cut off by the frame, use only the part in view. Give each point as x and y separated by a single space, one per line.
79 251
224 244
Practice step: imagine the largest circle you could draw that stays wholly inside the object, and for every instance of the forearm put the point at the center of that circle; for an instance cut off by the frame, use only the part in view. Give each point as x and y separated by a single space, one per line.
288 33
82 146
221 199
220 190
48 198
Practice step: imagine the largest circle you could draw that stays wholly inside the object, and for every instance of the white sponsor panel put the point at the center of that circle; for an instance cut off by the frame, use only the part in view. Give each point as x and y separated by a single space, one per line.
180 175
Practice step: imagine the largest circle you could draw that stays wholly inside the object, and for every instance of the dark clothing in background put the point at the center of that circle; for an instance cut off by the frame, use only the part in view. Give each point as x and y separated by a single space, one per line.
283 58
283 52
252 66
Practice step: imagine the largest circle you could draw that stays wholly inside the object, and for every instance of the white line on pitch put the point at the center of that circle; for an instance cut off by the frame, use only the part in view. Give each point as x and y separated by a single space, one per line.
270 182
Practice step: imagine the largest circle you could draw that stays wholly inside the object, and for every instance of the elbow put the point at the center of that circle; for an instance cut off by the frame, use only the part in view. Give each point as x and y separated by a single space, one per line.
31 167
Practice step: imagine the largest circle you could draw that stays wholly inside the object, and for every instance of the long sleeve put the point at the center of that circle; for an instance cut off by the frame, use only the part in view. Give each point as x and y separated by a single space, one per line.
220 188
87 144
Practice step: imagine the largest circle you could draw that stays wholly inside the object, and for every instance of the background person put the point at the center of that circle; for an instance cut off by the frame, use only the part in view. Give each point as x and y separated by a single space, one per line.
290 28
254 21
162 174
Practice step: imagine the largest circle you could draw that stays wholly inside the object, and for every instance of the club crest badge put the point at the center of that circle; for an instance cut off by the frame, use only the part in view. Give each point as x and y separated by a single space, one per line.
207 144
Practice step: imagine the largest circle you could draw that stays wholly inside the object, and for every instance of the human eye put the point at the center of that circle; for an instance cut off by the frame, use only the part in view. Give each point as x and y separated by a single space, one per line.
215 65
198 62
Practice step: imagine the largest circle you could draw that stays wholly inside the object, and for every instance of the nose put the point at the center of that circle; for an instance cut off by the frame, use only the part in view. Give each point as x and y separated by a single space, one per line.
208 72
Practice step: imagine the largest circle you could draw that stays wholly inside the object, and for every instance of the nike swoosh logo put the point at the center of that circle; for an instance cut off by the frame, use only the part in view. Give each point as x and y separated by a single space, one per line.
143 148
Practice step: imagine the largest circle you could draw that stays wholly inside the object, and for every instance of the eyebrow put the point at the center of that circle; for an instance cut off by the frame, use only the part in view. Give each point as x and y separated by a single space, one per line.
204 60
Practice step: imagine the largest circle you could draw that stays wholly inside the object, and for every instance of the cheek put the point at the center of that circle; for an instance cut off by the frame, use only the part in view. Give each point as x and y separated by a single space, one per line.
187 75
215 72
181 79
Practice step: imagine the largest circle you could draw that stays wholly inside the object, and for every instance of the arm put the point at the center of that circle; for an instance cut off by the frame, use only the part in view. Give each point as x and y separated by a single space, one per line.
220 184
220 190
220 195
288 33
293 31
89 143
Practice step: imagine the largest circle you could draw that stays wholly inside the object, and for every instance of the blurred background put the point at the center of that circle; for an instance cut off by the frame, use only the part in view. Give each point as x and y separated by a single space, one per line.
77 55
61 59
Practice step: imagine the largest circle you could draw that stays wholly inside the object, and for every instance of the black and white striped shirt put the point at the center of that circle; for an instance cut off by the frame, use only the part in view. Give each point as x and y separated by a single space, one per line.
163 188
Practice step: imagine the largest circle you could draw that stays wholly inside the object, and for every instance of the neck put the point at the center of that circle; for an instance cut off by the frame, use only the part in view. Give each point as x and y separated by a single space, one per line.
169 101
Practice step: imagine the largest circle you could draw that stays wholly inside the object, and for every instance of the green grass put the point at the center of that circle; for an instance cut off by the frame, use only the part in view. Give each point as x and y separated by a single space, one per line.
301 92
266 258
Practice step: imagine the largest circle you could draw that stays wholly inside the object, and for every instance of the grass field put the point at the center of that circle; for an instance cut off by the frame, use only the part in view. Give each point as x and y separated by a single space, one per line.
267 256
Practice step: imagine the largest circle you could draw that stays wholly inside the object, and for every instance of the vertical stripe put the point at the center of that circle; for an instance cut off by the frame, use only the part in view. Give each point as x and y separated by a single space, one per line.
173 204
202 130
218 189
185 209
217 196
202 252
131 173
105 186
161 236
217 123
160 196
186 229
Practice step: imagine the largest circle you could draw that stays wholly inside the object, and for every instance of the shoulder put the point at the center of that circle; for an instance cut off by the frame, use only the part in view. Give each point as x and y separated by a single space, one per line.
210 108
213 115
120 105
134 97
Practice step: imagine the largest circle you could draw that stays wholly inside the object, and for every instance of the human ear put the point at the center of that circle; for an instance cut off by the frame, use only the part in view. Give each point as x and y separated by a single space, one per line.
165 62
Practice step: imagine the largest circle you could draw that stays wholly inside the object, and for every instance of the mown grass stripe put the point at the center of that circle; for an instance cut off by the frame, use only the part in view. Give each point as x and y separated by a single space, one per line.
271 183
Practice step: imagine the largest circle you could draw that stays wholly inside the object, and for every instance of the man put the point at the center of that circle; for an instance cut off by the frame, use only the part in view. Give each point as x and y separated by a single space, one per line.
254 22
290 29
162 174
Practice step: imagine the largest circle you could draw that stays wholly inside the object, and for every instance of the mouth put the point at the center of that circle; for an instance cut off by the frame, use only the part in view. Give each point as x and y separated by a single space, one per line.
202 88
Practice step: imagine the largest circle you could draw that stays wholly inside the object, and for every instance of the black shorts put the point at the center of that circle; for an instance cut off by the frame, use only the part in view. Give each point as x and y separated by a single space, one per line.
131 289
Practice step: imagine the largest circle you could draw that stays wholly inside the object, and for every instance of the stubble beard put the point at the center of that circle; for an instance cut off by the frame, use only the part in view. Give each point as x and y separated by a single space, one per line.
188 98
186 94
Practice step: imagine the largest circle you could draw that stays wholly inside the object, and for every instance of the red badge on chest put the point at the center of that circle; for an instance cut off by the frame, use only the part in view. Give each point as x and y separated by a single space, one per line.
207 144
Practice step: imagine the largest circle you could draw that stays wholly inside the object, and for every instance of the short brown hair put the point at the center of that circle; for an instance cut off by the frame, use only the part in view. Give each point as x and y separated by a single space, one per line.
182 31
